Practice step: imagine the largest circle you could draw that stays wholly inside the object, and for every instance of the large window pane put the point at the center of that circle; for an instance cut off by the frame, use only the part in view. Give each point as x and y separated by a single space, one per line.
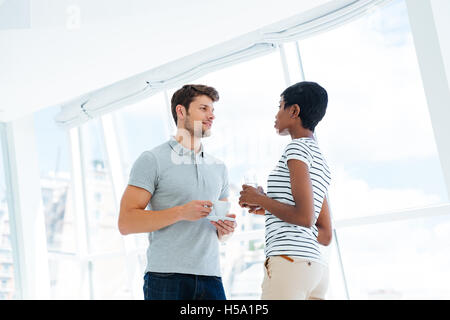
377 134
111 279
54 163
242 264
7 283
141 127
398 260
103 236
102 211
69 277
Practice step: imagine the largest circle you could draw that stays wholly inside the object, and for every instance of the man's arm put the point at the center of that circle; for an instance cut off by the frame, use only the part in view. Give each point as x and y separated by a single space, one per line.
133 218
323 224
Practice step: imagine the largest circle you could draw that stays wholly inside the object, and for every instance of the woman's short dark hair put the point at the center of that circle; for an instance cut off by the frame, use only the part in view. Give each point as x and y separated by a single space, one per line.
312 100
187 93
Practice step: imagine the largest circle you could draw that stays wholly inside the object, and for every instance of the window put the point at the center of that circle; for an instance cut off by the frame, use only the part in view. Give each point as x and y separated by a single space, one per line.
55 170
377 133
54 162
141 127
102 211
378 139
7 271
398 260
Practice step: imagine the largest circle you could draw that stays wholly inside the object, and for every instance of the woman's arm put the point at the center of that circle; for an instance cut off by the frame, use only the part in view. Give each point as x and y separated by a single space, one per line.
323 224
302 213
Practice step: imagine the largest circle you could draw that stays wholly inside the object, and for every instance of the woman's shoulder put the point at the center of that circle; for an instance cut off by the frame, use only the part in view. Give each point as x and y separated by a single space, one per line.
302 145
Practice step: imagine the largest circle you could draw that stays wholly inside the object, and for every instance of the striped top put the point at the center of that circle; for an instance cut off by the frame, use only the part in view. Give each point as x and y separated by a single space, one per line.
283 238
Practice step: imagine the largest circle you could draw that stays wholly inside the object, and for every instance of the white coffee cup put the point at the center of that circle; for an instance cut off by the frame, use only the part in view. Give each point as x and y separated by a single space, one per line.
219 211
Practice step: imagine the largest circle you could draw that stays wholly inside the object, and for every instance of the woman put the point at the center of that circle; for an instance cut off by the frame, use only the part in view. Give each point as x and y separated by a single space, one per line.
296 210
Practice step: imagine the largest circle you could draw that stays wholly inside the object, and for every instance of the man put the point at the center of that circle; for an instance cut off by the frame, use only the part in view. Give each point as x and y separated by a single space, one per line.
180 181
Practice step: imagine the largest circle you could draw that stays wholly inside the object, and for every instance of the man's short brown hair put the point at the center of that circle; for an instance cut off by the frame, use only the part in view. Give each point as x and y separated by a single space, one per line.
187 93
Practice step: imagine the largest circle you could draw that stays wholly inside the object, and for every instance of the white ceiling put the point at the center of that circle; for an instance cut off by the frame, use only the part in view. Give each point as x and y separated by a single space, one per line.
54 50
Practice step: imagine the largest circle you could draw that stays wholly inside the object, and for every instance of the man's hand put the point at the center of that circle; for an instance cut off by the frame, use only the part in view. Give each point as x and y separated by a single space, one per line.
225 227
195 210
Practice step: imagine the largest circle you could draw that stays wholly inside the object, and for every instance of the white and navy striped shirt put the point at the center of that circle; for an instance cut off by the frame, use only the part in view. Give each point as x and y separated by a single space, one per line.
283 238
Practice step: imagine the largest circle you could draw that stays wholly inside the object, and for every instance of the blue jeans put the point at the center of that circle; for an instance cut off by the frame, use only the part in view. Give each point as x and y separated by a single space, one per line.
178 286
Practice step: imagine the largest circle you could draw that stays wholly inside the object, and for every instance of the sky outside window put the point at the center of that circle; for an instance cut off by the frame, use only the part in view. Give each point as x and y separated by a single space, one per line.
377 133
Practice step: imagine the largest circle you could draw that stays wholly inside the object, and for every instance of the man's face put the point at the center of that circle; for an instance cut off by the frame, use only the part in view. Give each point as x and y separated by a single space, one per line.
200 117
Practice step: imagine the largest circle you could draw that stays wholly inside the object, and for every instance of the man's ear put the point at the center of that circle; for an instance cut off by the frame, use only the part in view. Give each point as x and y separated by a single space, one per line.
294 111
181 111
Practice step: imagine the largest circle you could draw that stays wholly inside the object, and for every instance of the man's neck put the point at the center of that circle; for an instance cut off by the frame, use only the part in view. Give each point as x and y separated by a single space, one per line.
188 141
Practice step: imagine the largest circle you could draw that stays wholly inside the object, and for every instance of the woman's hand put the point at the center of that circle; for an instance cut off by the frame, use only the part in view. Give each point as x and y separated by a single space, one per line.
257 210
250 197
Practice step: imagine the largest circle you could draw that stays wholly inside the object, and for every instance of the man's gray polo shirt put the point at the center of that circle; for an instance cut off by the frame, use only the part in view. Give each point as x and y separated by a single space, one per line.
175 176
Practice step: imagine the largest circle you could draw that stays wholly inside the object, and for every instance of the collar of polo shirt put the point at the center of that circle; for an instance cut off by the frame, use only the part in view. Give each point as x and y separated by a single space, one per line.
182 151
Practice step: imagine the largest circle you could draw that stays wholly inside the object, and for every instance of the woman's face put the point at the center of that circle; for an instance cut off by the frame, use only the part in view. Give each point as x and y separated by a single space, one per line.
282 119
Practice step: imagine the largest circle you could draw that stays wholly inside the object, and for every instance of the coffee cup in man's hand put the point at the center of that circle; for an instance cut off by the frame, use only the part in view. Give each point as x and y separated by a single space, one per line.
220 210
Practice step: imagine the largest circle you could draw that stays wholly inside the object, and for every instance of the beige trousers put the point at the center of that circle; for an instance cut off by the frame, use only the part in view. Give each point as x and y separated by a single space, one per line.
289 278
